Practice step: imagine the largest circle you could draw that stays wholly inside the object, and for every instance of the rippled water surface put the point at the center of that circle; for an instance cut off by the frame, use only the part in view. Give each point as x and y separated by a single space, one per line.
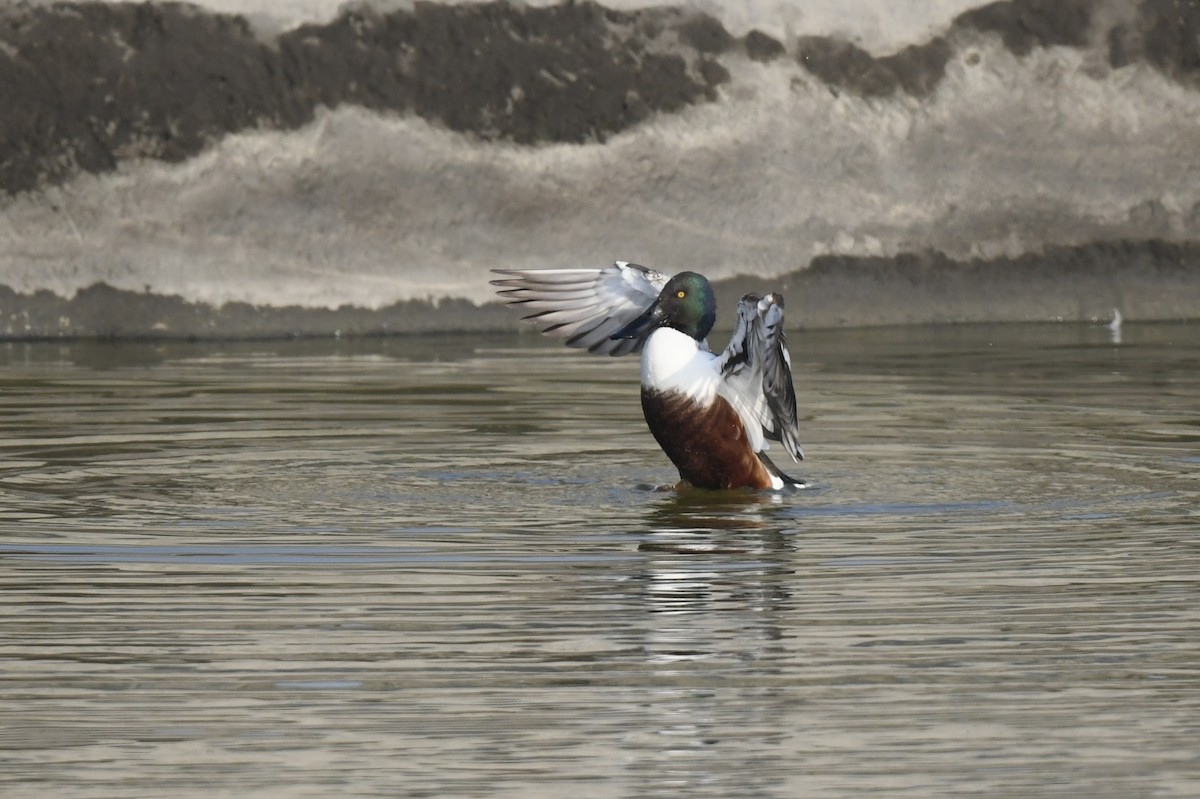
443 567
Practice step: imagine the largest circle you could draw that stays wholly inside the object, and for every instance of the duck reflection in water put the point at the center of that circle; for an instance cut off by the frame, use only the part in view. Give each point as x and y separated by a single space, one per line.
709 543
727 521
715 583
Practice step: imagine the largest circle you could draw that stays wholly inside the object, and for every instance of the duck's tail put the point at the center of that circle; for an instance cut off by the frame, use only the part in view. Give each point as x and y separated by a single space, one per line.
777 475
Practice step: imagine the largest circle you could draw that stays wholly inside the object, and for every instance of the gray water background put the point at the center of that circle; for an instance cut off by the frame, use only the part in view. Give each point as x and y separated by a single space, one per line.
444 566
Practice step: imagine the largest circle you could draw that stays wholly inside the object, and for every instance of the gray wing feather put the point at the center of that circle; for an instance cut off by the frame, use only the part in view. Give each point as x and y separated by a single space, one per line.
758 368
777 376
737 356
584 306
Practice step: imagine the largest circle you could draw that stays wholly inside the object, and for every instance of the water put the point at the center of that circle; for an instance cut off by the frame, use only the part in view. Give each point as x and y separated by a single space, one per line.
443 567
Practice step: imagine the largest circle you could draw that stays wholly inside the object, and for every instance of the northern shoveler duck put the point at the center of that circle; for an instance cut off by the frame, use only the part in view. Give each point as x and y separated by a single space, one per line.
710 413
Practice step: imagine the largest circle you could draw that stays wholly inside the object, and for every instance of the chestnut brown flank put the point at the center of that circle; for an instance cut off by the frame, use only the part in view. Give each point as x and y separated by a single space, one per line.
707 445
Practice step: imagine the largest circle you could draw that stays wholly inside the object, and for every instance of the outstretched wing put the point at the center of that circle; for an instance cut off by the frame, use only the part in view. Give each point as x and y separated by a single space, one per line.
585 306
758 371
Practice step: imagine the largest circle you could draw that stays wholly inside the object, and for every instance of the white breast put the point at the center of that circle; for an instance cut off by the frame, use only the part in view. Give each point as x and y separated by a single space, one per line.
674 361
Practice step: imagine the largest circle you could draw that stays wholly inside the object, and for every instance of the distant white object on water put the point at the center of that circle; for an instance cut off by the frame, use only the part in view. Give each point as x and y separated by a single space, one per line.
1114 327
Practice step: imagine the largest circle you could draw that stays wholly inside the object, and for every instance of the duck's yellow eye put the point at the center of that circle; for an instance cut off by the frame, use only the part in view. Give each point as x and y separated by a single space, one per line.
681 294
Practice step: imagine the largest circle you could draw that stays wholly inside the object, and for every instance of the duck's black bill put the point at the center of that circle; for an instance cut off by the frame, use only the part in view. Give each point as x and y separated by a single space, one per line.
648 321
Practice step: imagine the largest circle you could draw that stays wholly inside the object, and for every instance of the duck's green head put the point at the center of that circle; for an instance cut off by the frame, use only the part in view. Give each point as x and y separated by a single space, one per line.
686 304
